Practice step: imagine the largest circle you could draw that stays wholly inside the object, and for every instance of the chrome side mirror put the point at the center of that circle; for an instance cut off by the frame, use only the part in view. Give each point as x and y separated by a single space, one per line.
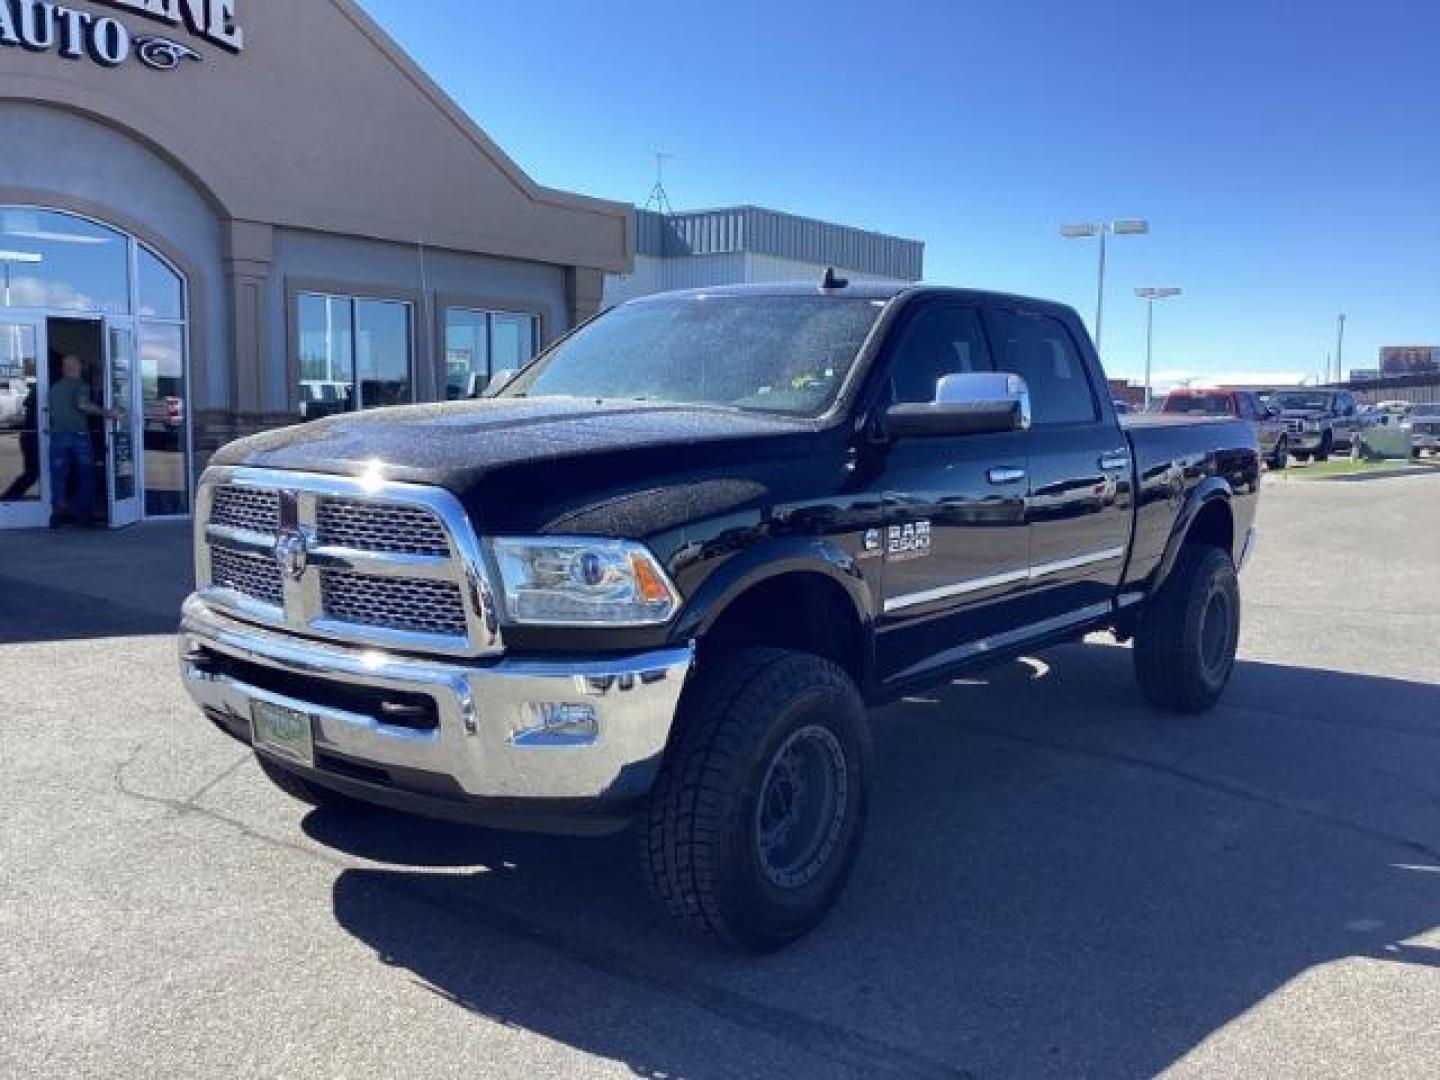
976 403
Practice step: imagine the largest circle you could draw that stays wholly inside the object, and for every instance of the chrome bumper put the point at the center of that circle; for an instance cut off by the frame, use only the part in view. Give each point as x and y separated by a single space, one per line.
485 741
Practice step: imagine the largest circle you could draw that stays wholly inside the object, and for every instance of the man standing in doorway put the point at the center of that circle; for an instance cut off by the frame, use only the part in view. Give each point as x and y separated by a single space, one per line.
71 458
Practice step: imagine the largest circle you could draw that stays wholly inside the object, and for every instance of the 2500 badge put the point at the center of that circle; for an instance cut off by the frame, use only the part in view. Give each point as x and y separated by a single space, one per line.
908 541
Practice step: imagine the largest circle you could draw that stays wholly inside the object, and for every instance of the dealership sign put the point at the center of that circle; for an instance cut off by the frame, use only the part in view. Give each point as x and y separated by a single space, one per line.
75 34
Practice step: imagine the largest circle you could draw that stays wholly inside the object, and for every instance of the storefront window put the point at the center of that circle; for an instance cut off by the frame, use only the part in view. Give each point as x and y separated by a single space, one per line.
354 354
163 397
382 353
512 340
480 343
62 263
327 383
467 353
162 295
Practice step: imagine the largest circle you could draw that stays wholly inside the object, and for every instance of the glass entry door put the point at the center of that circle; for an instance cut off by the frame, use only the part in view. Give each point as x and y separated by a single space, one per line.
24 480
124 432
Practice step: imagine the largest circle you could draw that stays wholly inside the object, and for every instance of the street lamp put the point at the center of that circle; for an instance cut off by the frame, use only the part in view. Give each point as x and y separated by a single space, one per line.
1150 295
1083 231
1340 351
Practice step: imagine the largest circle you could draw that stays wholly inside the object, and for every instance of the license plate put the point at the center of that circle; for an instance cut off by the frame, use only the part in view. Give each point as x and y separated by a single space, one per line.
283 732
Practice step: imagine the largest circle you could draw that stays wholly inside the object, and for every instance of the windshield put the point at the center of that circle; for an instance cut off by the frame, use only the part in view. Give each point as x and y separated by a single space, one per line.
784 354
1299 400
1199 404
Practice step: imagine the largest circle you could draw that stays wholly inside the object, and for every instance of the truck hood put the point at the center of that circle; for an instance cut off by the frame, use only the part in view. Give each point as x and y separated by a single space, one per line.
1303 414
524 464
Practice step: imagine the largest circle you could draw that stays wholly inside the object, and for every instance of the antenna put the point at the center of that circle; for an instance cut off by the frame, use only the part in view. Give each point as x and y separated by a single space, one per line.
658 197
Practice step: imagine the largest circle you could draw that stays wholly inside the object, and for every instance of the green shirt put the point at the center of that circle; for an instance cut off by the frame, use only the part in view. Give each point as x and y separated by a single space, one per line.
66 416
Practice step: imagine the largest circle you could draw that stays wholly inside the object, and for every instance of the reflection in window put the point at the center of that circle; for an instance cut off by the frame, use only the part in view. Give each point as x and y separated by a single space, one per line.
513 340
162 383
382 353
62 262
162 296
467 353
480 343
354 354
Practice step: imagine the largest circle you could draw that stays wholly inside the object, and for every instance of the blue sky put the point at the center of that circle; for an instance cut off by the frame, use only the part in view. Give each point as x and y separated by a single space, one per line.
1286 153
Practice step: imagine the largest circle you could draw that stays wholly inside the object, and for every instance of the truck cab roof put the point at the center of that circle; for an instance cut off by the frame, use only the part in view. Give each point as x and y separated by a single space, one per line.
863 290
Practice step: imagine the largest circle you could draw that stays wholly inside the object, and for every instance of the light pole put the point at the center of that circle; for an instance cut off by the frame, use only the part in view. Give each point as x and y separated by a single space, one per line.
1340 350
1084 230
1150 295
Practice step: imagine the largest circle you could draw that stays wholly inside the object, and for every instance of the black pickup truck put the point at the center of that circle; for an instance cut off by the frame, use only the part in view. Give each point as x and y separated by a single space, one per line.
655 578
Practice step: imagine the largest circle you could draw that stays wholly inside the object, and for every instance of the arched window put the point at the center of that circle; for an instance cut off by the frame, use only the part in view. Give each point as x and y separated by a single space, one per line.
58 265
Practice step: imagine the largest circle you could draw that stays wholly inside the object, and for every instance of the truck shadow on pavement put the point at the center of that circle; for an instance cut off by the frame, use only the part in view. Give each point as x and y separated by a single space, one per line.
1056 881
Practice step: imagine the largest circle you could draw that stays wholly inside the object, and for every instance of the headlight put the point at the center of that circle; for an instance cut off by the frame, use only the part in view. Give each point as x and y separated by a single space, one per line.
582 582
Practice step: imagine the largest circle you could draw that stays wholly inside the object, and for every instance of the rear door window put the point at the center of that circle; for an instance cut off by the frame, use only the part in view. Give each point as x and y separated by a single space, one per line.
1200 404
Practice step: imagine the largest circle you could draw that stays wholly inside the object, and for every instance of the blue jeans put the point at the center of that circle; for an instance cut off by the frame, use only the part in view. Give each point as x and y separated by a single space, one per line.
72 460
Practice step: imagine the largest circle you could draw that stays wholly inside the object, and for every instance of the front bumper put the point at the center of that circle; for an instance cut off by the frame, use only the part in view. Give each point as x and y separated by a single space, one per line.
476 754
1305 440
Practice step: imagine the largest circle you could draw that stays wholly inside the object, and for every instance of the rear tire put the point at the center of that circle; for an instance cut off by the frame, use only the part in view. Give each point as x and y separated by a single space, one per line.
1187 634
755 821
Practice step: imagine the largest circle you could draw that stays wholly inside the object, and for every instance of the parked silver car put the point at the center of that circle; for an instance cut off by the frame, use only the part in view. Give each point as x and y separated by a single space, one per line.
1424 425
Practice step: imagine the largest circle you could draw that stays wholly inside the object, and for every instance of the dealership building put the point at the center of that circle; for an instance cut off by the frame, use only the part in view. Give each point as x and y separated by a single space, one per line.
243 213
750 244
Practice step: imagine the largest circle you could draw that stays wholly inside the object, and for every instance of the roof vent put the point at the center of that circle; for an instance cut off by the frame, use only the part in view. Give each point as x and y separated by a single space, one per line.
833 280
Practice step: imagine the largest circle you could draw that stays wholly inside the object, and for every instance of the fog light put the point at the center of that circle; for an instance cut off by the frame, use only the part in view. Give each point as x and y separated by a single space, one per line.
557 724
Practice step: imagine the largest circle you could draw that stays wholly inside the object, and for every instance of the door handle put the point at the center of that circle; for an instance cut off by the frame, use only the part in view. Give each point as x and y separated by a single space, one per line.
1115 460
1006 475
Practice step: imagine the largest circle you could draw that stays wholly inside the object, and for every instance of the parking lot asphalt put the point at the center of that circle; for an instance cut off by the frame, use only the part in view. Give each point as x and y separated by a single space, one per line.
1057 881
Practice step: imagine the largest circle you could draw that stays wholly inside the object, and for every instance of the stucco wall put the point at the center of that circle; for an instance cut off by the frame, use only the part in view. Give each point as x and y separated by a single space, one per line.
68 162
322 122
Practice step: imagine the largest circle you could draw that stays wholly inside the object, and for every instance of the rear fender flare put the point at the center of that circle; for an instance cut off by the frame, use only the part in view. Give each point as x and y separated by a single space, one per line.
1208 492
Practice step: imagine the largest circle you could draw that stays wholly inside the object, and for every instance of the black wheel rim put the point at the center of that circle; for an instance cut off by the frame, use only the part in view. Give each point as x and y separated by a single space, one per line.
1215 634
801 809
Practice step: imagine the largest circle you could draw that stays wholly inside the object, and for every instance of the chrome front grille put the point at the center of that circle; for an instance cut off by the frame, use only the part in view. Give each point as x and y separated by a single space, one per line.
402 530
1295 427
387 564
250 575
417 607
252 509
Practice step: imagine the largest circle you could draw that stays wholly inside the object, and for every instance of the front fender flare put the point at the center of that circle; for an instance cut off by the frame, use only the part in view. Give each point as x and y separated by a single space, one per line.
771 559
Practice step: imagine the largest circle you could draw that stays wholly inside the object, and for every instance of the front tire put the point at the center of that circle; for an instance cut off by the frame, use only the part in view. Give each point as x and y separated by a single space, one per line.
1327 446
1282 454
1187 635
757 816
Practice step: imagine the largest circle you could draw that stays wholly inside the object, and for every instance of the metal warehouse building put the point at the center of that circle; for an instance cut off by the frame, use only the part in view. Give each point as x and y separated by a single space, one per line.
240 214
750 244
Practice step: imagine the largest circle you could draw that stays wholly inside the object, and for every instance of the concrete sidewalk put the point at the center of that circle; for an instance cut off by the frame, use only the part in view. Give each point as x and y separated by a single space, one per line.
80 583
